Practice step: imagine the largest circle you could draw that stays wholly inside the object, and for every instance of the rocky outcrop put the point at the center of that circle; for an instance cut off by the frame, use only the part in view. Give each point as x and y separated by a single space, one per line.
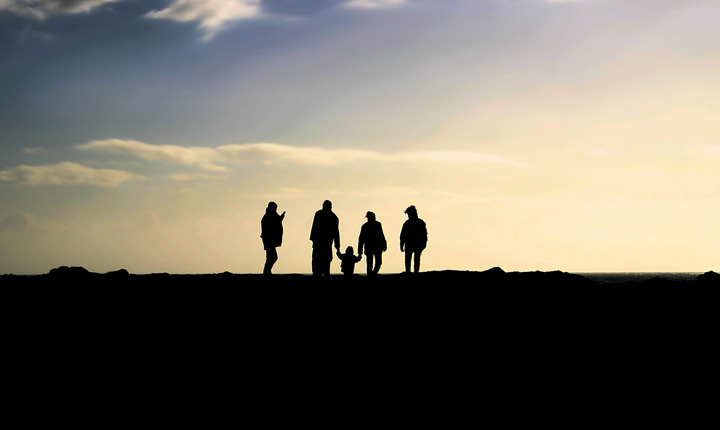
709 278
69 272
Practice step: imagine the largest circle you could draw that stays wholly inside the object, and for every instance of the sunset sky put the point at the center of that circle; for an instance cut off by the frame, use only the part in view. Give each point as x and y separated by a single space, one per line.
574 135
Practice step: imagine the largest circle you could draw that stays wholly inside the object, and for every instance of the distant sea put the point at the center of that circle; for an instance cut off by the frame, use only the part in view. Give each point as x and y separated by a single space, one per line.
622 277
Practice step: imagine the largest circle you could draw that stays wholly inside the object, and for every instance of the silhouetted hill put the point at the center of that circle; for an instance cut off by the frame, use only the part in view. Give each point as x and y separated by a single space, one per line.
65 276
517 328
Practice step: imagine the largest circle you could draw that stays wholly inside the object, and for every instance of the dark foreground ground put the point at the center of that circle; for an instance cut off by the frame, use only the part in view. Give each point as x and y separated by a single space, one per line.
438 348
450 293
471 306
446 303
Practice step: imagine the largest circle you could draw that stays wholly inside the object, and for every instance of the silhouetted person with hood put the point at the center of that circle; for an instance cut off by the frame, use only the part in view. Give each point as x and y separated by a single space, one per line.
324 234
348 260
271 234
413 239
372 239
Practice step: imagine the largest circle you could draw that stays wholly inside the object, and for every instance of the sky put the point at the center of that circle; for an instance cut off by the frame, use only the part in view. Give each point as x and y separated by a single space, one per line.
573 135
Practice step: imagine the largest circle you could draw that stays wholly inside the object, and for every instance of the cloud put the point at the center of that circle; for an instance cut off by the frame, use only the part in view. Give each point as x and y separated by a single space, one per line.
42 9
266 153
65 173
213 15
199 156
273 153
373 4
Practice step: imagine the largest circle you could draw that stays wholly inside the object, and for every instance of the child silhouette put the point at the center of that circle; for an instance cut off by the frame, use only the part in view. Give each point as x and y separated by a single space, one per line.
348 260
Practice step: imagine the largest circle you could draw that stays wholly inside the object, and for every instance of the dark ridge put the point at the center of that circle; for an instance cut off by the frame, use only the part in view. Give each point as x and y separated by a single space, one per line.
515 317
494 277
68 272
493 296
709 278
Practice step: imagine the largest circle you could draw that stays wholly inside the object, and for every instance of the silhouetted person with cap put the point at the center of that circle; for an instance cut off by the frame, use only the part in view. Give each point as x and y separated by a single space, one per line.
413 239
372 239
324 234
271 233
348 260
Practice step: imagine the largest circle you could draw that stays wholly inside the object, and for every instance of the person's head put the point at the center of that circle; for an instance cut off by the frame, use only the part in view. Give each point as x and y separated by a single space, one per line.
370 216
271 207
349 250
411 212
327 205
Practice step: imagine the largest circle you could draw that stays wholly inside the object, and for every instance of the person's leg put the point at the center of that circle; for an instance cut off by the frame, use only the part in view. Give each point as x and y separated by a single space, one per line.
378 263
417 261
369 263
408 258
316 262
271 257
327 259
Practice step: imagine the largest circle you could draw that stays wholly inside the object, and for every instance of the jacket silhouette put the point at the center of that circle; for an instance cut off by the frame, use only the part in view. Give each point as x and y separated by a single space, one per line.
372 240
413 238
324 234
271 232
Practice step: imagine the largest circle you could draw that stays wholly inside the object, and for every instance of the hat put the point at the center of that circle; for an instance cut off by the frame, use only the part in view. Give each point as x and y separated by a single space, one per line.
411 209
370 215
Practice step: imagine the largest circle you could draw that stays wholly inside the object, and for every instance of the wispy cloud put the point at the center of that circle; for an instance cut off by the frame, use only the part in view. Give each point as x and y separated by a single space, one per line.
267 153
212 15
215 15
273 153
373 4
42 9
65 173
198 156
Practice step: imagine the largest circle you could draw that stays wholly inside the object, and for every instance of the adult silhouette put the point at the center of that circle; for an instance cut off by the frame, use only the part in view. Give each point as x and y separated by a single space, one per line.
323 234
271 233
413 239
372 239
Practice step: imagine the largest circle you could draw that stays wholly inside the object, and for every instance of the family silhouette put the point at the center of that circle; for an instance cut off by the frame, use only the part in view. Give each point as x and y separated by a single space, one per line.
325 234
